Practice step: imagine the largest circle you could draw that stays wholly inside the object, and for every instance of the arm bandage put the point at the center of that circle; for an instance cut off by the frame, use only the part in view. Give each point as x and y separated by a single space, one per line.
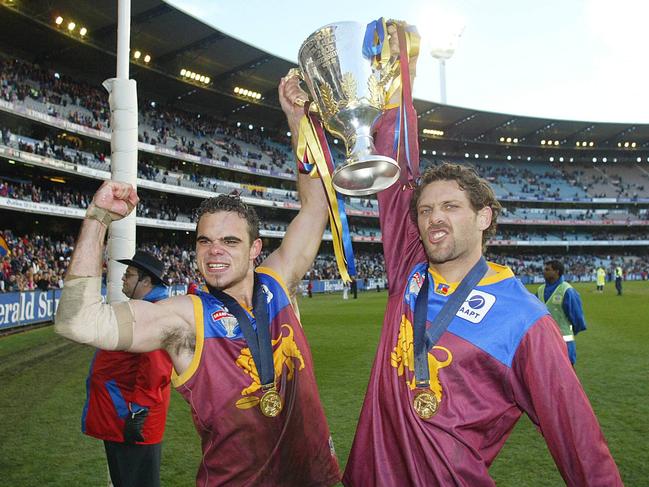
82 316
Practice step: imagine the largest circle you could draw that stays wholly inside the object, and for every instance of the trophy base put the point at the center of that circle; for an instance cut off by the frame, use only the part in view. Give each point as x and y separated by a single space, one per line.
366 176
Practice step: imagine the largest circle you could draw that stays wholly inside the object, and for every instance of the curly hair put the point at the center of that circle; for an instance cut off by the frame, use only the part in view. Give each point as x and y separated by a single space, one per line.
231 203
478 190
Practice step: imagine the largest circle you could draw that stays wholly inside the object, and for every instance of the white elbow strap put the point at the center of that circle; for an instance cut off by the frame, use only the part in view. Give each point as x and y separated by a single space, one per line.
82 316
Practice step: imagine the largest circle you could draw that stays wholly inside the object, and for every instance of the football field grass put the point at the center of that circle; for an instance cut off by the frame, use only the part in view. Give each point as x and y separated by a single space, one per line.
42 392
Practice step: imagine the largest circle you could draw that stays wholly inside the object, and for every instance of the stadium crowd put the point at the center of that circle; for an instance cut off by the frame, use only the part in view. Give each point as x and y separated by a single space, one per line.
226 141
39 262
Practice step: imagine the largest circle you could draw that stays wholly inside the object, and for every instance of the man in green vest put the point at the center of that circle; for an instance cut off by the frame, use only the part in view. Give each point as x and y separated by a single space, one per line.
564 304
601 279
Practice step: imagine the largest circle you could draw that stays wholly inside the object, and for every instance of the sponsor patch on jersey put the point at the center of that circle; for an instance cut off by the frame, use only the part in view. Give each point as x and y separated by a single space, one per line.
476 306
226 320
442 289
219 314
414 285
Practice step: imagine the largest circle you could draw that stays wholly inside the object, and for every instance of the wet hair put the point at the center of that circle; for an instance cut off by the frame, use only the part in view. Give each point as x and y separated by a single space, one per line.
478 190
556 265
233 204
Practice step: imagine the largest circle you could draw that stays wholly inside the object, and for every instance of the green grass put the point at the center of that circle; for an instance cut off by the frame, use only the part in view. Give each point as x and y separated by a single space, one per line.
42 393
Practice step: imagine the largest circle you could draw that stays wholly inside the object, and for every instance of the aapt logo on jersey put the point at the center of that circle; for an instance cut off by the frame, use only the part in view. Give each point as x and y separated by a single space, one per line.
476 306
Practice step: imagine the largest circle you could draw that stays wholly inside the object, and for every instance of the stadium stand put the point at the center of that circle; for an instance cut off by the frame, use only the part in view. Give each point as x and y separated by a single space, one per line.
589 206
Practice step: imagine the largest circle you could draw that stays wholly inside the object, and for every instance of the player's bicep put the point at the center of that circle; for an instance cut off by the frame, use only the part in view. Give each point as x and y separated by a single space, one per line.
152 322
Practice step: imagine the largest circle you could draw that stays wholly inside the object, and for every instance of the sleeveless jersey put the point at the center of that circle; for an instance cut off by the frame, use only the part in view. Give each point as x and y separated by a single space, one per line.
242 447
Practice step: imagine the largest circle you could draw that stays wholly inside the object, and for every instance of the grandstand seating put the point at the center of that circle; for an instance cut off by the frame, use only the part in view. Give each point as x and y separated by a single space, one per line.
192 155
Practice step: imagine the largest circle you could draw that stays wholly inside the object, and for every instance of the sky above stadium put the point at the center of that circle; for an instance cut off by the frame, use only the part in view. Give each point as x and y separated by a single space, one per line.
567 59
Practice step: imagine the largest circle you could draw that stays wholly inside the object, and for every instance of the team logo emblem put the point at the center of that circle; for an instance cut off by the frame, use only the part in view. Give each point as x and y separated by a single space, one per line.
402 358
287 358
476 306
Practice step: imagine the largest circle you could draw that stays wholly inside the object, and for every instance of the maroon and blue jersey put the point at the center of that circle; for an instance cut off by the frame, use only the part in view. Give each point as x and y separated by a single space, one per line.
501 356
242 447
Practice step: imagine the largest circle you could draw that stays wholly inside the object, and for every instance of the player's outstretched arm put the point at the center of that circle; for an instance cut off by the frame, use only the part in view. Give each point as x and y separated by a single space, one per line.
402 249
82 316
304 234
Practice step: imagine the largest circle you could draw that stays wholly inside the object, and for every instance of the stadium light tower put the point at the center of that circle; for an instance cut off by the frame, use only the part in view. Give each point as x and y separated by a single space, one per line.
444 44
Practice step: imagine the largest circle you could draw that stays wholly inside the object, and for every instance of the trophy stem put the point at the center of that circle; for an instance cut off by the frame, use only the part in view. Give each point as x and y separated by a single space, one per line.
361 147
364 172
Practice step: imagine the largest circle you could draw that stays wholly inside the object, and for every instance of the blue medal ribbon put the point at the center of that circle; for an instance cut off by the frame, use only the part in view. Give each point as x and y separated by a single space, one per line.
346 236
424 339
259 341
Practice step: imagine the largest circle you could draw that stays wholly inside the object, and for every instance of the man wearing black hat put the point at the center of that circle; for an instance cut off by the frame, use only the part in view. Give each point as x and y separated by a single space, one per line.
128 393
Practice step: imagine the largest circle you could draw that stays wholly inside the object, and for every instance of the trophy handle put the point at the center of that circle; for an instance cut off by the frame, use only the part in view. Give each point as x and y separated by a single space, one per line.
297 73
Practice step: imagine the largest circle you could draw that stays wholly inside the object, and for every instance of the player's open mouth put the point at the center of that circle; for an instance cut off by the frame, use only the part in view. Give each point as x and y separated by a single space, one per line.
437 236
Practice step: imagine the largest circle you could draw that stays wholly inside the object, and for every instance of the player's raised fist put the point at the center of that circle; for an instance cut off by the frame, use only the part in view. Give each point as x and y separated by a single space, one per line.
117 198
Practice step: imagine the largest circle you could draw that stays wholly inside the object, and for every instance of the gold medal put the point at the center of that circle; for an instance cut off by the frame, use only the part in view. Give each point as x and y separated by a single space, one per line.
271 403
425 403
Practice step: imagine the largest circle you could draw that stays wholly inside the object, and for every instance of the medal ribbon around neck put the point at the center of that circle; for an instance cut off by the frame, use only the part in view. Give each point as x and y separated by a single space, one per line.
259 341
424 339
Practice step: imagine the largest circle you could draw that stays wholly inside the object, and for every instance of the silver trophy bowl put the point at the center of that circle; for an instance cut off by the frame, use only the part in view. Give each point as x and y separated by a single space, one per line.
350 95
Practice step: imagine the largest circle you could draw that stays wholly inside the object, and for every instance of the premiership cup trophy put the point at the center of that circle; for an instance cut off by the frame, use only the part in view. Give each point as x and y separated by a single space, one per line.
350 95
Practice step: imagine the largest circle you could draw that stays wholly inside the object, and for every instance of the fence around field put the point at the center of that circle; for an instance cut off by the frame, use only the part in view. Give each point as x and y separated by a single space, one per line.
32 307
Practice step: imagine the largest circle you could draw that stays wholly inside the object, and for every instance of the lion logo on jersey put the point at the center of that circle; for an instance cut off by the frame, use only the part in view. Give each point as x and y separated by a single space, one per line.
285 354
403 358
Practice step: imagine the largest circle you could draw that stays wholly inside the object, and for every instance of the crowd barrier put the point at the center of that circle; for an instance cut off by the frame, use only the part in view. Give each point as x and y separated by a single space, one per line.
31 307
28 308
